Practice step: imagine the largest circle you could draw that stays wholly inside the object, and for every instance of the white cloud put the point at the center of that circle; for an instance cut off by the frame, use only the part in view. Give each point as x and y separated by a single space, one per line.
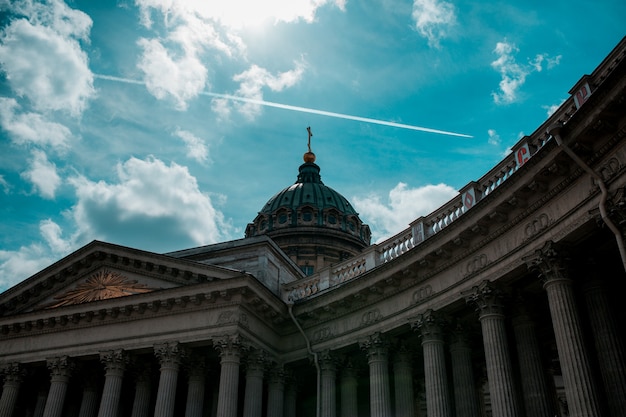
182 78
32 128
552 108
196 148
15 266
513 74
152 206
494 138
221 108
42 57
52 234
5 185
175 65
255 78
433 18
402 207
239 13
43 174
57 15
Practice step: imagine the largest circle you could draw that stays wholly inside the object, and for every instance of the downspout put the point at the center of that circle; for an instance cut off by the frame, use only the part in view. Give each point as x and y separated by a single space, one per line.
555 132
315 359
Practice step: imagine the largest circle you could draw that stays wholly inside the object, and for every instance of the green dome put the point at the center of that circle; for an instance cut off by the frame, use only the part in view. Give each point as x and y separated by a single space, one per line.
307 210
310 191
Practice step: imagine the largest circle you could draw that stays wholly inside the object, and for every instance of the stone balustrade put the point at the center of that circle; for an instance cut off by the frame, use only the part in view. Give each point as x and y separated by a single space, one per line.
426 226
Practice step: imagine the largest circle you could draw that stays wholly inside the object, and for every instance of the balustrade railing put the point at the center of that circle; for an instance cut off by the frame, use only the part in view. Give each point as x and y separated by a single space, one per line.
426 226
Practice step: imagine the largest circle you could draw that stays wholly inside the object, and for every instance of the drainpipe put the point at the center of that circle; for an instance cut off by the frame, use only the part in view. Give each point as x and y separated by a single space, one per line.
315 359
555 132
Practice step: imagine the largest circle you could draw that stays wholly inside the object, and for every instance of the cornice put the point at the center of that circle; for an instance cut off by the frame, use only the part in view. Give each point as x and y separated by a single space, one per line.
94 256
242 291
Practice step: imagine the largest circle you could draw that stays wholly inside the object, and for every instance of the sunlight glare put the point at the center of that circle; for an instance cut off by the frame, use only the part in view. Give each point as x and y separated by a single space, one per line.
251 13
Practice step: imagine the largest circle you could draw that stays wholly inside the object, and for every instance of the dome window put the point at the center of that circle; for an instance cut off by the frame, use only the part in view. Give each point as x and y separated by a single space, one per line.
307 216
332 219
307 269
282 218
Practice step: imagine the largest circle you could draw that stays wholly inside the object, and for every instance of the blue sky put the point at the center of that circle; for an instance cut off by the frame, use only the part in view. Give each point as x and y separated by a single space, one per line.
144 123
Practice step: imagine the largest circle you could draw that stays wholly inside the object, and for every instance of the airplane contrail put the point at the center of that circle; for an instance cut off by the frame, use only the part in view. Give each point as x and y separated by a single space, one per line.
301 109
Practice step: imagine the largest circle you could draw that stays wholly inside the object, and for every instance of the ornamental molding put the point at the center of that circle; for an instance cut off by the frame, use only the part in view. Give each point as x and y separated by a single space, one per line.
232 317
53 320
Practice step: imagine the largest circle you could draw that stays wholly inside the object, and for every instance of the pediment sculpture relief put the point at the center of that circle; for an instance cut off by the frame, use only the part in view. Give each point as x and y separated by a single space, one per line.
102 285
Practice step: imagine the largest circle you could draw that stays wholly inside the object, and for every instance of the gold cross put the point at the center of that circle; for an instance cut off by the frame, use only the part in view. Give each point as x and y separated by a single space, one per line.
308 129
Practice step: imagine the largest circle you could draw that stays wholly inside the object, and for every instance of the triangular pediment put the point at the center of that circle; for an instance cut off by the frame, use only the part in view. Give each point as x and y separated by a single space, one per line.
101 271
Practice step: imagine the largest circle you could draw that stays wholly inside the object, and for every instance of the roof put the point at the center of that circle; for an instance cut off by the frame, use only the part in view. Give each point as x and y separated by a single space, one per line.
308 190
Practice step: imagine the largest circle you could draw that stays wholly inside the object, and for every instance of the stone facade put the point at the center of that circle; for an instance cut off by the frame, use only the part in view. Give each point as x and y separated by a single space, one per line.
503 302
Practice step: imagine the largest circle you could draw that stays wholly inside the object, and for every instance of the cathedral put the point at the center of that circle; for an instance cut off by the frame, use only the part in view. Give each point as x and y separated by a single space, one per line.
504 302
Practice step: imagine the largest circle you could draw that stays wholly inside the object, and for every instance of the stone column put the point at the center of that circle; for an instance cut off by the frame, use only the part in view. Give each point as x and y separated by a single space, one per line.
465 392
328 376
291 395
348 383
403 382
143 390
377 348
89 401
13 376
253 398
550 262
170 356
40 403
489 301
430 326
534 385
609 346
60 371
276 392
196 371
114 364
229 348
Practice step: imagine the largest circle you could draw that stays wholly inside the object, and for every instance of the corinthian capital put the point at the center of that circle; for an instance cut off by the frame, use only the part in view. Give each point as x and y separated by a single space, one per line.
13 372
376 346
229 345
114 360
60 367
550 261
430 325
488 298
169 353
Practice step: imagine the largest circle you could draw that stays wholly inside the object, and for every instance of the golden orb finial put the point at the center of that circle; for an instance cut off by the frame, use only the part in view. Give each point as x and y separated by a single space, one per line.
309 157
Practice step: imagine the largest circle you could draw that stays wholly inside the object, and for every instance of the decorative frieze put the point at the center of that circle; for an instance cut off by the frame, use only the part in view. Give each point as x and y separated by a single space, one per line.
321 334
422 294
232 317
371 317
477 263
537 225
